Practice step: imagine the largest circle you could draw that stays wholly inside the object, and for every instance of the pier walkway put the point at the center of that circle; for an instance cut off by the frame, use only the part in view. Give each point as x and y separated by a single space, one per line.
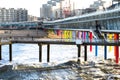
48 42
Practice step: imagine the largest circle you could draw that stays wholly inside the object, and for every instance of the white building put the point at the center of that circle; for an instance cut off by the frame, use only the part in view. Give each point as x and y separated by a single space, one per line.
32 18
46 11
13 15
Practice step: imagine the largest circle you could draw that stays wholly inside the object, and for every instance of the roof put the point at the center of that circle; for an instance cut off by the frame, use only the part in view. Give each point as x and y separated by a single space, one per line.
84 15
114 6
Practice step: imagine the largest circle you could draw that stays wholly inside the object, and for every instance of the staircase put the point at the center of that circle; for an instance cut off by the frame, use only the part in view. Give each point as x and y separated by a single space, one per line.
98 35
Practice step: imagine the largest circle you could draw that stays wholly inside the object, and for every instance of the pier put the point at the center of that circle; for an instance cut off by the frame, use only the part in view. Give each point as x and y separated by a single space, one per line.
83 41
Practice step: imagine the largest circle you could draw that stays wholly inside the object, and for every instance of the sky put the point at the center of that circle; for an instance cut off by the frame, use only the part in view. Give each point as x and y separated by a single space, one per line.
33 6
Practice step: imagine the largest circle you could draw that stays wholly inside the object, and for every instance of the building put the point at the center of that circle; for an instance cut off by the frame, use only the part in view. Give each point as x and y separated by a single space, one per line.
52 10
13 15
98 5
46 11
3 14
32 18
22 15
77 12
113 6
56 13
88 10
66 8
116 0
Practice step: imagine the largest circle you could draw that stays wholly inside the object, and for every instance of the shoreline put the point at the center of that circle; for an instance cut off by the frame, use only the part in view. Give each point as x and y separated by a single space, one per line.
103 70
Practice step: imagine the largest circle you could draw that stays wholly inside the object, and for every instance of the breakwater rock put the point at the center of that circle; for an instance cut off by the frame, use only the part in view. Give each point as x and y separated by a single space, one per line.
71 70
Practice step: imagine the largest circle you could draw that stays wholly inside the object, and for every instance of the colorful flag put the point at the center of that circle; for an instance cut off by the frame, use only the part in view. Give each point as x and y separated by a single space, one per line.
110 38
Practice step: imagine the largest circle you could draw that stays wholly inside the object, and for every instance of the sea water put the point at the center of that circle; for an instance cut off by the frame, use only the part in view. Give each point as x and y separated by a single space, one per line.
28 54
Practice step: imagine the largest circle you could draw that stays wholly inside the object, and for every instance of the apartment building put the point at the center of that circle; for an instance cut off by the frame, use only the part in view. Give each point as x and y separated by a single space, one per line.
13 15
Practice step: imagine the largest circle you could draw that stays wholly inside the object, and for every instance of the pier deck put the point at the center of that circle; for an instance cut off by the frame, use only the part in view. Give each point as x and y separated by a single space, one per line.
69 42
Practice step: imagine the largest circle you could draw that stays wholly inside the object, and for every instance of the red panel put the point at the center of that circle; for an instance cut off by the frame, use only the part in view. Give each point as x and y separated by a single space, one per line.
116 48
91 41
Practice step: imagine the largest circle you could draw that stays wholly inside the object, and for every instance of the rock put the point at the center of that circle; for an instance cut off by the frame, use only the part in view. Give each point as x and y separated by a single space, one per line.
5 68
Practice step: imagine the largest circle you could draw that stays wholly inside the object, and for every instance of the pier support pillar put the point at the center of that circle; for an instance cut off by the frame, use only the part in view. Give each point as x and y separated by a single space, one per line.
105 52
105 49
116 38
0 52
117 54
10 52
40 52
85 57
48 52
96 50
91 37
79 50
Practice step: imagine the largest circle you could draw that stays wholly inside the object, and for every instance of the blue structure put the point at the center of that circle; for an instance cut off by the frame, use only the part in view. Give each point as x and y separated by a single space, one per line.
21 25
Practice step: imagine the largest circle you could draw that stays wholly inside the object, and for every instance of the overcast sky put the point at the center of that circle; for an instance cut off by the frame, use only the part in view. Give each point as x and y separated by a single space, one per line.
33 6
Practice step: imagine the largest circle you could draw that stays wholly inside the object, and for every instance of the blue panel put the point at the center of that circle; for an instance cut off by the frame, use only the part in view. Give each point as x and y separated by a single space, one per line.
96 50
105 52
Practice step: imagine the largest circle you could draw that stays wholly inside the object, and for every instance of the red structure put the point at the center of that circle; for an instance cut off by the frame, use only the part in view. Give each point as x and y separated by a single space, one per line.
91 36
116 48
